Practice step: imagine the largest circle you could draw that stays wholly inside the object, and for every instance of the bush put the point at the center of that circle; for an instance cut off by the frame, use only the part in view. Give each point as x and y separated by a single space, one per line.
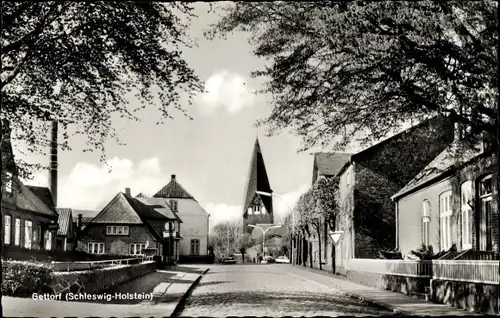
23 278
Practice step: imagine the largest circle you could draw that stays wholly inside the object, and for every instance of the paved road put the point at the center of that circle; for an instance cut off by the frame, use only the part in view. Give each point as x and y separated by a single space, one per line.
269 290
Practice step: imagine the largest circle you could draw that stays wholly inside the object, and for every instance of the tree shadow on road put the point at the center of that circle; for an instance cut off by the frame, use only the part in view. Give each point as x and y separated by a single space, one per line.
287 302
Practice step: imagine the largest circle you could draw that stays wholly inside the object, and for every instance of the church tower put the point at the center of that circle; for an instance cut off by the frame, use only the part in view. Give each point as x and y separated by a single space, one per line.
257 209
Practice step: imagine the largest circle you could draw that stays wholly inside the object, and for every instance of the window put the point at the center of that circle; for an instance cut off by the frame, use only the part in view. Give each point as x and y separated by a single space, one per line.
195 247
426 220
466 203
263 210
485 224
8 184
48 240
8 228
17 233
256 209
117 230
136 248
445 211
250 211
28 234
173 204
96 248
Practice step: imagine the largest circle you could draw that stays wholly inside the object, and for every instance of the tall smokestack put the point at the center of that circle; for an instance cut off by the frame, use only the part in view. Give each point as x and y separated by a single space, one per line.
53 162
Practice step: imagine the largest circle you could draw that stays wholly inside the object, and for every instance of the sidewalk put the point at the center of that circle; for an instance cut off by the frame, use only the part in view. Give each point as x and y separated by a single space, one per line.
396 302
168 288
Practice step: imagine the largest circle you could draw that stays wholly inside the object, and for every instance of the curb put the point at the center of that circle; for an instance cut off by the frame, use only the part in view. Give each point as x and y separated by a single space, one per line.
370 301
180 304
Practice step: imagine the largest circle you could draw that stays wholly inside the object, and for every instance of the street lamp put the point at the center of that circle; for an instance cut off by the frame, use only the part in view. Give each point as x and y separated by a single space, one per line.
264 235
267 194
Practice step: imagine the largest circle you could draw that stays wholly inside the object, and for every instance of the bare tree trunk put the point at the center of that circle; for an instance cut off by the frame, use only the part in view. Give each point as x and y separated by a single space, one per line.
310 254
318 230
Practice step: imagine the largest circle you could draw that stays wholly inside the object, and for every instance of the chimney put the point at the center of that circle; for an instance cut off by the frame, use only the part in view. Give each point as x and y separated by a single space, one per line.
173 177
53 162
79 221
127 191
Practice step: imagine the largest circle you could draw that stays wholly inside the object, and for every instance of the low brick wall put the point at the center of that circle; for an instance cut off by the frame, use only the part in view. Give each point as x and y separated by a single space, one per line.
476 297
98 280
395 283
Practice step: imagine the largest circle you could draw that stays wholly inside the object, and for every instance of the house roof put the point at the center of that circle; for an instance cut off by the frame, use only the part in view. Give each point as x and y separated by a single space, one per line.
124 209
44 194
65 217
329 164
161 205
367 152
27 200
118 210
257 179
173 190
448 160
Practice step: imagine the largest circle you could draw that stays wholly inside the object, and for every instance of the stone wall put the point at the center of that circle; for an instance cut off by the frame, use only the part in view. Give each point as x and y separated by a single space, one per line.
482 298
395 283
98 280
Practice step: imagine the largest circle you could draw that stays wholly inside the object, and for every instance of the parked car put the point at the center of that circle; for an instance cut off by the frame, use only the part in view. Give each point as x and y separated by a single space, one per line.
267 260
229 259
282 260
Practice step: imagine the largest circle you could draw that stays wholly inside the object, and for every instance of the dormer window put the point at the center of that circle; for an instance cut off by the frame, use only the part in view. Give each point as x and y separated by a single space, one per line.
8 183
173 204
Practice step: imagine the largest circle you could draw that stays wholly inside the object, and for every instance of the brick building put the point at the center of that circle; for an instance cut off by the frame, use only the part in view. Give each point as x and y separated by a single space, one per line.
257 209
27 222
127 226
369 178
452 201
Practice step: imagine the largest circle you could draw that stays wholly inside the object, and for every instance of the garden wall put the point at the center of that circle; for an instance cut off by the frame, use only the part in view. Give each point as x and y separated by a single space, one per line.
476 297
98 280
395 283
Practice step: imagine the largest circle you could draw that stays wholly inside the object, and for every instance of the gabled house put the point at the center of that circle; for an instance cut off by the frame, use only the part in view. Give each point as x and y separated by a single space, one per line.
66 235
257 208
369 178
452 201
324 165
27 222
127 226
195 220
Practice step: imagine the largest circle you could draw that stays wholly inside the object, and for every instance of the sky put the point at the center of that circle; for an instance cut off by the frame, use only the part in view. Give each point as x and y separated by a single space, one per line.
209 155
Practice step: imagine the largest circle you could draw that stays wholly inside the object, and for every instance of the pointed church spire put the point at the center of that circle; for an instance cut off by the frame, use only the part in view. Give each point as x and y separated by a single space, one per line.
257 180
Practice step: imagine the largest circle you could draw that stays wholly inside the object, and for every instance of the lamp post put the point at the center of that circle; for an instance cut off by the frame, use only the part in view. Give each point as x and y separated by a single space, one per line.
264 235
267 194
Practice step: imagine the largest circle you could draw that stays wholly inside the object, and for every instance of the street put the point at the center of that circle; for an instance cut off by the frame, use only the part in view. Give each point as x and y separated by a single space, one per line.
269 290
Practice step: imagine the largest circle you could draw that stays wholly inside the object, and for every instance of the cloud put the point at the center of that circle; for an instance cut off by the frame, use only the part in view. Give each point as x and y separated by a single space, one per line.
90 186
226 90
89 175
222 212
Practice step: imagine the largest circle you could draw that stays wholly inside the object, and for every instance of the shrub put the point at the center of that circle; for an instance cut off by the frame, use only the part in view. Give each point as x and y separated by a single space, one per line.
390 254
23 278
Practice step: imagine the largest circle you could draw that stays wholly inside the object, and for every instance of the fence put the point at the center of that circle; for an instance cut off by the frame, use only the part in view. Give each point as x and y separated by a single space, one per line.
88 265
485 272
392 267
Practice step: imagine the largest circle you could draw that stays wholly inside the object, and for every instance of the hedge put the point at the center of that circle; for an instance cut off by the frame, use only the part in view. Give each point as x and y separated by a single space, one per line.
23 278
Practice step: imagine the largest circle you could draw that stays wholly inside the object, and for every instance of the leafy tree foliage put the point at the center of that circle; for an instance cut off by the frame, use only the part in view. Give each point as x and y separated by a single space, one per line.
326 190
75 62
362 69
